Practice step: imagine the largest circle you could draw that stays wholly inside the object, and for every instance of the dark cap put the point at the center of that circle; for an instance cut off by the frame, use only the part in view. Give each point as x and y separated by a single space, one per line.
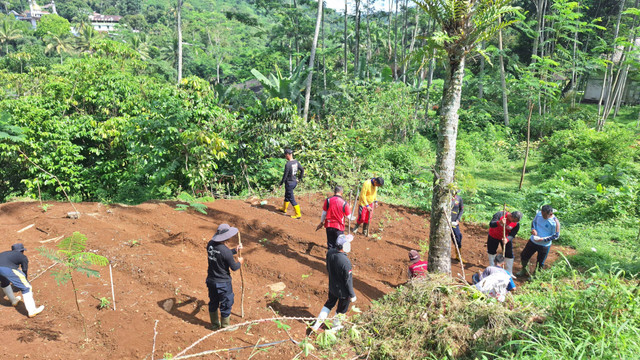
414 255
380 181
288 151
17 247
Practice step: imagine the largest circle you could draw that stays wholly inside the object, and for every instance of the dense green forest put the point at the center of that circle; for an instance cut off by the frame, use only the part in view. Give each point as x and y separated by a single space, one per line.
137 114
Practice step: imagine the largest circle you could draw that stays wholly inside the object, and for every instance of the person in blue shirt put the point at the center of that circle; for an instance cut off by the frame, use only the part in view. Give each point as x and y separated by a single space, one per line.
545 228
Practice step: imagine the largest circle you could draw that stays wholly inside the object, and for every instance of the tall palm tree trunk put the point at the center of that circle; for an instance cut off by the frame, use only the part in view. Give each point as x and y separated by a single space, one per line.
179 15
439 235
307 94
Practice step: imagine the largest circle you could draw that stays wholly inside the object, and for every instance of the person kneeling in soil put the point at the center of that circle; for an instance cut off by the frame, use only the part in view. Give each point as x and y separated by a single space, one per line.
494 281
340 283
220 259
544 229
417 267
10 261
334 210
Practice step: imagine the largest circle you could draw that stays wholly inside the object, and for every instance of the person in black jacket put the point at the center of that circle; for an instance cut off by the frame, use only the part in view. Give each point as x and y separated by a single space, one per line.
220 259
340 282
10 273
293 172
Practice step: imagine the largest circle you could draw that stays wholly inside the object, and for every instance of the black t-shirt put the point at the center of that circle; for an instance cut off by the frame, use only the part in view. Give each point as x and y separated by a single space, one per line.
13 259
340 277
220 261
291 171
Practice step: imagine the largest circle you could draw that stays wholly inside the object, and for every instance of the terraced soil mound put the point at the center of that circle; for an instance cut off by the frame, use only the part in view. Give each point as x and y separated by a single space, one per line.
159 267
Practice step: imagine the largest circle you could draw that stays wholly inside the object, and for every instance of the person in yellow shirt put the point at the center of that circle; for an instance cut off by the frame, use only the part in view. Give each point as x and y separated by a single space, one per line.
367 202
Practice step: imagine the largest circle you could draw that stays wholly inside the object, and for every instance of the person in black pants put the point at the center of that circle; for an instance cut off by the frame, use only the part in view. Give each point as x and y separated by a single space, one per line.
457 208
340 282
220 259
293 172
334 210
503 228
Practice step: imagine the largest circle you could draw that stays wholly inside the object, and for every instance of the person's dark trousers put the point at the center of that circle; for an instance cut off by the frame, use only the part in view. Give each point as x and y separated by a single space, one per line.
492 247
458 234
343 304
288 192
220 296
332 237
531 249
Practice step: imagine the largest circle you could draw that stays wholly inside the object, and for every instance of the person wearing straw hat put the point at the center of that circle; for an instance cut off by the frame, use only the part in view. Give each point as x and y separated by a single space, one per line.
10 273
334 210
544 229
220 259
340 283
417 267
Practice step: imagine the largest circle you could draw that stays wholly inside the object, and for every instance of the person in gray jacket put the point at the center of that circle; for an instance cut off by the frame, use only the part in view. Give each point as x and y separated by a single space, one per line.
340 282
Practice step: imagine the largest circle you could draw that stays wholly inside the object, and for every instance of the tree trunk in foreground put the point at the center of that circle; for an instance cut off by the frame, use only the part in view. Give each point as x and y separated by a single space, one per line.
526 152
179 41
439 235
307 94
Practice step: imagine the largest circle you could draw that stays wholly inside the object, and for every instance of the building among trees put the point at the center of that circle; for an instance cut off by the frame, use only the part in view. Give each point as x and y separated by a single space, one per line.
104 23
35 12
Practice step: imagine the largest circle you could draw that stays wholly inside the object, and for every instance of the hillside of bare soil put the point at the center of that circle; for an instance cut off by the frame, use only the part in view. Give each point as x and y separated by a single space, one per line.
159 265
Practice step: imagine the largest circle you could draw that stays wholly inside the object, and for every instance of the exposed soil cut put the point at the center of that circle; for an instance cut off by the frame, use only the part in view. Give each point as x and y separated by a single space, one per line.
159 268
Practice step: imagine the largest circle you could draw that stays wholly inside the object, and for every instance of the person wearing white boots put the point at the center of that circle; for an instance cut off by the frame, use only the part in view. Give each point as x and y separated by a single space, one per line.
10 273
340 283
503 228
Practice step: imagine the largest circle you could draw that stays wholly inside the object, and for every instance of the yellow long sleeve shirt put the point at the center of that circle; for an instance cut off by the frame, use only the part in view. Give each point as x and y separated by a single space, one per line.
368 194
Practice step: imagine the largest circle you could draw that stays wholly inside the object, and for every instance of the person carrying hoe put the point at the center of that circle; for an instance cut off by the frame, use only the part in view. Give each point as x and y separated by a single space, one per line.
367 202
503 228
334 210
220 259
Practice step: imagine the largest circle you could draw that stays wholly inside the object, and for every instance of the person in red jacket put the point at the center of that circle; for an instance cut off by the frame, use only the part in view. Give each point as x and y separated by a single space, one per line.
502 230
334 210
417 267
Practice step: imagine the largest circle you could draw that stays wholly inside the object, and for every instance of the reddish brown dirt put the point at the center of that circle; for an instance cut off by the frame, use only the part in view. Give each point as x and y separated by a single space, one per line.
159 268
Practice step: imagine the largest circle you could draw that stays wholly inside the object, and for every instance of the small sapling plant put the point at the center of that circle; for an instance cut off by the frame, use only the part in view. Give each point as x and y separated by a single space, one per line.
192 203
72 257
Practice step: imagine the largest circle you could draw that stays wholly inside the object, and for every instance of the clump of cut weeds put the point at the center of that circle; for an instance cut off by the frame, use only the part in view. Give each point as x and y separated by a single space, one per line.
434 317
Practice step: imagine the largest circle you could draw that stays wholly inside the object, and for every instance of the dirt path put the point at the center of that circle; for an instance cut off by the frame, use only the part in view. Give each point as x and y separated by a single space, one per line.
159 268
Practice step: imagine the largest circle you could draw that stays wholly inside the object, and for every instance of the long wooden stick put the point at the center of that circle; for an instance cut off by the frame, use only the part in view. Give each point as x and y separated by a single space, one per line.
241 278
349 214
457 248
504 230
113 294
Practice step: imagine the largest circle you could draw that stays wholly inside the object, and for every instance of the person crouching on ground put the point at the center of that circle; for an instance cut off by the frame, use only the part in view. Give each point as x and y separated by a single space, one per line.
417 267
10 262
340 283
494 281
367 201
220 259
544 229
334 210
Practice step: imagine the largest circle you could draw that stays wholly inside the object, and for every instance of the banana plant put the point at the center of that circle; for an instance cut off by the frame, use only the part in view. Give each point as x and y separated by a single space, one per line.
278 86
